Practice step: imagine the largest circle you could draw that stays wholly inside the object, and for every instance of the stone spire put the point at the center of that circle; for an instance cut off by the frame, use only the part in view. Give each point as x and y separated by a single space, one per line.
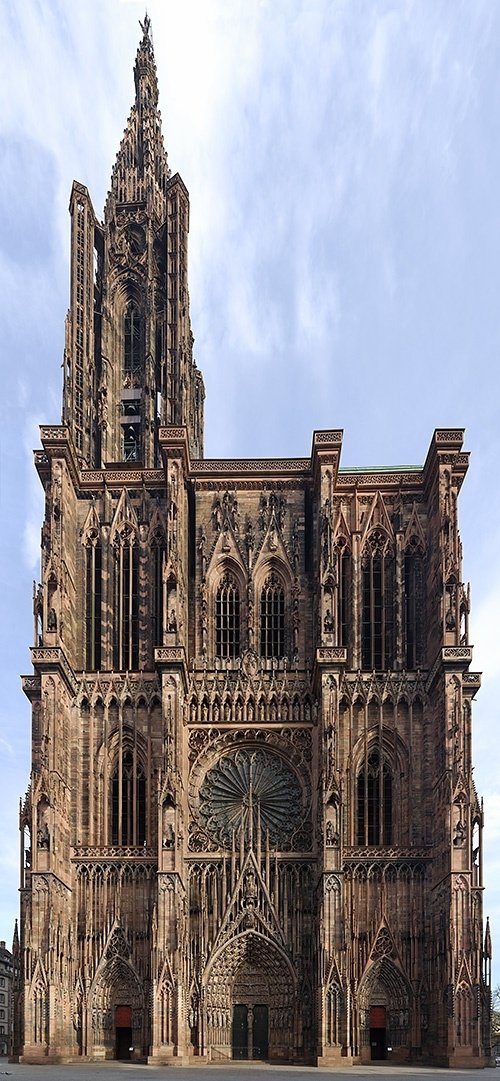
128 364
141 168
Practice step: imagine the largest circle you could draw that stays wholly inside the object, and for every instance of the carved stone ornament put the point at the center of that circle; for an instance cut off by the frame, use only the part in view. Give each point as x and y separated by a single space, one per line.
250 664
248 788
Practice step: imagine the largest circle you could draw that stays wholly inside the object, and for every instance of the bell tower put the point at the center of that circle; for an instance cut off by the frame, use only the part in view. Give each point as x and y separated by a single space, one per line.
129 363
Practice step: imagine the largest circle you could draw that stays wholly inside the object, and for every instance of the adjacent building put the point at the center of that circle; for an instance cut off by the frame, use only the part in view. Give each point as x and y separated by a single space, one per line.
251 829
7 960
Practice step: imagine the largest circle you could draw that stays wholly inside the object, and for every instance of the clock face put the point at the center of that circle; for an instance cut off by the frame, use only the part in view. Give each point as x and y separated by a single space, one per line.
248 788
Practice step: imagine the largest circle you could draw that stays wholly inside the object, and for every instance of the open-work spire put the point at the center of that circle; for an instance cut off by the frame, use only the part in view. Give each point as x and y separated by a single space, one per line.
141 169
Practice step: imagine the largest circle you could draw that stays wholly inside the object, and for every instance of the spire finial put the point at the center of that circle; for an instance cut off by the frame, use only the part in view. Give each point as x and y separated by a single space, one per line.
146 25
146 84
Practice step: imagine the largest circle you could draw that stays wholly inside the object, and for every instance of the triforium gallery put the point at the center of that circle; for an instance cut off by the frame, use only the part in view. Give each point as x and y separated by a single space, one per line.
251 829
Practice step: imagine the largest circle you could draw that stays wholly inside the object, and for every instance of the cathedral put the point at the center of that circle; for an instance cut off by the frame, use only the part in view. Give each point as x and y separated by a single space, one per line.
251 829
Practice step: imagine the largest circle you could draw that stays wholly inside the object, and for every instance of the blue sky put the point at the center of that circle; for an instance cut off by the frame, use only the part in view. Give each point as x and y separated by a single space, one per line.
343 163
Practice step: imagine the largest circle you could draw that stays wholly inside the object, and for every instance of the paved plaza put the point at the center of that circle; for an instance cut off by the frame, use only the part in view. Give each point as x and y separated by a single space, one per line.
126 1071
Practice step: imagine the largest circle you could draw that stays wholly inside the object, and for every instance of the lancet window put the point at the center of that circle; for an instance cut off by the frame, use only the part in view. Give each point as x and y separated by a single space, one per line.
128 801
272 617
227 617
343 599
157 557
377 620
93 602
132 332
374 801
126 603
414 604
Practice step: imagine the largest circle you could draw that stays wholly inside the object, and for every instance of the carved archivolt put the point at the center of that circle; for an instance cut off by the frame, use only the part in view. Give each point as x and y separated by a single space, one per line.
254 969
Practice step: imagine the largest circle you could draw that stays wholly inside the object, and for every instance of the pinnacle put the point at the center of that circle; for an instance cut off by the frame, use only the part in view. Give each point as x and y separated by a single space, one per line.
146 82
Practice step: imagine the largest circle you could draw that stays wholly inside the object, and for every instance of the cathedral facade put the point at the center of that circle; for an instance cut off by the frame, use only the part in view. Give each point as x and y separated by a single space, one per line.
251 829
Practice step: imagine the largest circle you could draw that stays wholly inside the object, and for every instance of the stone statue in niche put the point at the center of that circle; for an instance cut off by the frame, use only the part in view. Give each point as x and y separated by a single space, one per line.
169 836
328 624
225 514
295 549
331 836
172 623
263 512
102 407
52 620
250 540
43 837
459 834
231 512
217 514
202 548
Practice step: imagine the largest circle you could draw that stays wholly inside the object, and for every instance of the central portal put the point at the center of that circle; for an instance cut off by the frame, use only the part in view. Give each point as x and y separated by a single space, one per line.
250 1036
249 1003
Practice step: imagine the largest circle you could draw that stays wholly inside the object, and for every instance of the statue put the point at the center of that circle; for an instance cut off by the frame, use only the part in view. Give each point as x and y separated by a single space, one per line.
203 555
43 836
169 836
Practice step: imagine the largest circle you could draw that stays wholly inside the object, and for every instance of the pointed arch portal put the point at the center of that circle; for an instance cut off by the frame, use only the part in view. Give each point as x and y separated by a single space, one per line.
117 1013
250 1001
384 1010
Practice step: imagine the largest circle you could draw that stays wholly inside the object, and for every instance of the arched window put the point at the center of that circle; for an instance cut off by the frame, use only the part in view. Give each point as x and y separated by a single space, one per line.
374 802
343 597
157 559
93 598
227 618
414 604
272 617
126 604
377 623
128 801
132 333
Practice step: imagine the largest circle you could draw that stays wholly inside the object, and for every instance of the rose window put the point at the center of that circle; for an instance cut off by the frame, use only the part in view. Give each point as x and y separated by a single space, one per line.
254 792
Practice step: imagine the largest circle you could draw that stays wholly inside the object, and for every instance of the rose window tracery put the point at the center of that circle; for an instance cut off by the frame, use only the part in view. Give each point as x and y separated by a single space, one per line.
251 791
